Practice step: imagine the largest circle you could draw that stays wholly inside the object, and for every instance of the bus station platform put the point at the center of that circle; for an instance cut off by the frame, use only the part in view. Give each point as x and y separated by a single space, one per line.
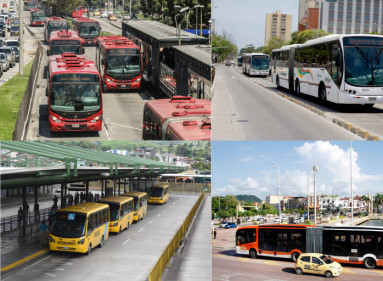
193 263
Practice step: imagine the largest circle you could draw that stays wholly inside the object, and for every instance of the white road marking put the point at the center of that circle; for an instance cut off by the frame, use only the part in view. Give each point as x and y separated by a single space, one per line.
141 229
106 131
139 129
50 274
59 268
233 77
126 242
158 216
35 263
164 210
150 221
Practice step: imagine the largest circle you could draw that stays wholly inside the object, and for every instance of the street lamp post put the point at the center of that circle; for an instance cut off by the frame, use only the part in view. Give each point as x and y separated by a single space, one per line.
279 189
308 207
196 18
178 26
315 169
352 198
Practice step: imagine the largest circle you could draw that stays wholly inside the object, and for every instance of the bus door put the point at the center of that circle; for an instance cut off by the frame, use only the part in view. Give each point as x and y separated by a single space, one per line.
267 240
281 241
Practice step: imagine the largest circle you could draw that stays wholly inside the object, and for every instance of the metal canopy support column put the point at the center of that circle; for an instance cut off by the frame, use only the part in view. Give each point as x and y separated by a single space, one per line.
146 190
119 185
102 188
24 190
86 191
124 185
62 196
114 187
37 217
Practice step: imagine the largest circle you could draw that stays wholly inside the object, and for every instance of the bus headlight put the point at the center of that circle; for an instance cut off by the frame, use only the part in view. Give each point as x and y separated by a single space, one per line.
115 224
51 239
109 80
81 241
95 119
135 213
138 80
55 119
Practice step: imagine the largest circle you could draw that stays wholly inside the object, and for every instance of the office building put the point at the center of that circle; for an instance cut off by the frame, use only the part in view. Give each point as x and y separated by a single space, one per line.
277 25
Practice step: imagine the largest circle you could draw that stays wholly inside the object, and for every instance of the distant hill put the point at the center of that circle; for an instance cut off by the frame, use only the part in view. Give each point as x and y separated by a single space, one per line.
248 198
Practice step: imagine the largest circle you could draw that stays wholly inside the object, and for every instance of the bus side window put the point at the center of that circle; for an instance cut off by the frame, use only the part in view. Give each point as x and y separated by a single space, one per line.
90 224
98 218
102 216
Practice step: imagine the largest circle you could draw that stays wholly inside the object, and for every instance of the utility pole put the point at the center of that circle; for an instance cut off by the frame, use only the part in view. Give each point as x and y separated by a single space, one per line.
21 43
308 208
130 9
352 198
315 169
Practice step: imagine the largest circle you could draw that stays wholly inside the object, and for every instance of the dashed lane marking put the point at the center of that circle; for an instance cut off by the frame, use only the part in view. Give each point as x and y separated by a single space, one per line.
126 242
141 229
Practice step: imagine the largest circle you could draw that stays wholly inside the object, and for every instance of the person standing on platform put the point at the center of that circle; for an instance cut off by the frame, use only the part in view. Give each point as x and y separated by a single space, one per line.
43 233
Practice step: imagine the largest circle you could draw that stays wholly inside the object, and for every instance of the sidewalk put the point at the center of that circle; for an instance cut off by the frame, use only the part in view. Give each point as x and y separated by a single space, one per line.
195 261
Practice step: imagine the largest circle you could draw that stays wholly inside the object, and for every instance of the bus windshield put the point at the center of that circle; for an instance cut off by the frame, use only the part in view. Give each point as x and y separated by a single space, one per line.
68 225
260 62
38 17
59 49
121 66
89 30
57 25
114 211
156 192
364 61
75 92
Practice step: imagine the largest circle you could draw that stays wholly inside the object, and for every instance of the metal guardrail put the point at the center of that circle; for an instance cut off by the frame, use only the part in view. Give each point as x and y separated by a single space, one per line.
163 261
12 222
167 81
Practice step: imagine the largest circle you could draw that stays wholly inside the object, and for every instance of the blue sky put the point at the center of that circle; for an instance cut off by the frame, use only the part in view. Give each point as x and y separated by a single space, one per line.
243 167
245 19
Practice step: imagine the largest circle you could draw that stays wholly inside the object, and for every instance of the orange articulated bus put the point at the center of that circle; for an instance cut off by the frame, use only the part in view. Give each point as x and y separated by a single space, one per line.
360 245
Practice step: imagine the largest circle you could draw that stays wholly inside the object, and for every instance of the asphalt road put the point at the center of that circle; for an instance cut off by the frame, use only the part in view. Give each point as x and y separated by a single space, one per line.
127 256
243 110
230 267
122 110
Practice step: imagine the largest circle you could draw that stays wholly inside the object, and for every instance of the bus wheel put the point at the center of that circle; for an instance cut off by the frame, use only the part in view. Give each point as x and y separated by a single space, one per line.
295 256
299 271
328 274
102 242
253 254
322 93
297 88
277 82
89 249
369 263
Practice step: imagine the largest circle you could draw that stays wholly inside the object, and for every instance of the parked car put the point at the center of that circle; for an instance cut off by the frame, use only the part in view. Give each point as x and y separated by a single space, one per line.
125 17
112 17
118 15
104 14
230 225
317 264
228 63
4 61
222 225
10 54
96 13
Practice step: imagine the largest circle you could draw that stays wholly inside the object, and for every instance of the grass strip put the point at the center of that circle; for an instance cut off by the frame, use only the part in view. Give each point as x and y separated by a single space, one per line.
11 95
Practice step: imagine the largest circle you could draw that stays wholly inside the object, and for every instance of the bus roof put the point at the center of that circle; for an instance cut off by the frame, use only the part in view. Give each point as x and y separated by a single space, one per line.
116 199
179 106
286 47
191 129
64 35
161 185
334 37
354 228
84 208
254 54
118 44
69 62
54 19
84 20
112 38
291 226
134 194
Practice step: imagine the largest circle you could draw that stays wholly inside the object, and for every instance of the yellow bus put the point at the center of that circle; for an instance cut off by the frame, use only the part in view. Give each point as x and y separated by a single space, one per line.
79 228
140 203
159 193
121 212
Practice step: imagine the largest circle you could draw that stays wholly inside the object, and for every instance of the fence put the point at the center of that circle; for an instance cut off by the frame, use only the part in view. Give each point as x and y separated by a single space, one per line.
25 105
12 223
189 187
167 82
163 261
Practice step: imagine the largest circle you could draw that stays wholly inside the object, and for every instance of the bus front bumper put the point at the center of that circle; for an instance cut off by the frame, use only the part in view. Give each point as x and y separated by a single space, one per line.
356 99
115 85
67 245
156 200
75 126
113 226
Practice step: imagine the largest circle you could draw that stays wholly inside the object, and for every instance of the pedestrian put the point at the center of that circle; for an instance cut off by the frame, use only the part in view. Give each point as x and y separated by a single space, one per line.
27 208
43 233
215 233
55 200
76 198
20 215
36 210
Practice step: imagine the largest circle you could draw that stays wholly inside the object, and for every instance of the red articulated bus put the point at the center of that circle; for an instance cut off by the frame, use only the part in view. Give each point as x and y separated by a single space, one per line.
54 24
29 5
65 41
159 115
119 62
355 245
87 29
37 17
75 96
78 13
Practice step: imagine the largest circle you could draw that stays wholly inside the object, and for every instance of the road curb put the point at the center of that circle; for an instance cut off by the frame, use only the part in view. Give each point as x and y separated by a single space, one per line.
349 127
24 260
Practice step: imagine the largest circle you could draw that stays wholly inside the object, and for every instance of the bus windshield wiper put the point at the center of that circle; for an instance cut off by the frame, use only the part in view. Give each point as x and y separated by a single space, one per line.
362 53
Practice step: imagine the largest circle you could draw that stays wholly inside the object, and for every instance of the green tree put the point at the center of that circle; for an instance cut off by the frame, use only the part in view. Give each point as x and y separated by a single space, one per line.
273 43
223 47
308 34
64 7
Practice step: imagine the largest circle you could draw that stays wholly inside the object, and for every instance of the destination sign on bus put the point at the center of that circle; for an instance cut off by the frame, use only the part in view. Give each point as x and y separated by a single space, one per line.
123 51
65 42
74 77
362 41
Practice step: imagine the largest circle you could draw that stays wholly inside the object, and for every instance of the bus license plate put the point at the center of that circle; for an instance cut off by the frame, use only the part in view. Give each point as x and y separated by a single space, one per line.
372 99
66 248
123 86
76 126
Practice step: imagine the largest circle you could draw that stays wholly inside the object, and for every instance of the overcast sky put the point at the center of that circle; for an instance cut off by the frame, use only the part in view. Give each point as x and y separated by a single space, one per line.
243 167
245 19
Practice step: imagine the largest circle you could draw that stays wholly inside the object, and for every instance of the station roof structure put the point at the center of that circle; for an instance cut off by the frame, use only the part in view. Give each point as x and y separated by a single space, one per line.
39 163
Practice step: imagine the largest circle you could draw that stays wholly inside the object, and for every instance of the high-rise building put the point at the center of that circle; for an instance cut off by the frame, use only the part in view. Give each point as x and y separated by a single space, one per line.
351 16
277 25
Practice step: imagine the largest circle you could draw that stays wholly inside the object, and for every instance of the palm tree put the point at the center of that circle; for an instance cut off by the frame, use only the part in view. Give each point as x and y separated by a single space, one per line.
367 199
378 201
